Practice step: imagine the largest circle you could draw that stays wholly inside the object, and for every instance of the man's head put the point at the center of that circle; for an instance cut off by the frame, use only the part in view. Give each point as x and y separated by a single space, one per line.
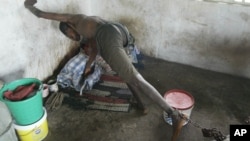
68 31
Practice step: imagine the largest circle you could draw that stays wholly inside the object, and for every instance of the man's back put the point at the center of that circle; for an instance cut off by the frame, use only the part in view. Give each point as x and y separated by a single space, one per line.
86 25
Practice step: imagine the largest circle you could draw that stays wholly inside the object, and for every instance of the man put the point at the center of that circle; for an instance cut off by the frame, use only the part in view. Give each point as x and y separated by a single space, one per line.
107 39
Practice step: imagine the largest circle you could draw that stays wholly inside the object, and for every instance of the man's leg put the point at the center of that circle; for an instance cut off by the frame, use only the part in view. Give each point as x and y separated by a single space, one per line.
141 106
138 83
114 54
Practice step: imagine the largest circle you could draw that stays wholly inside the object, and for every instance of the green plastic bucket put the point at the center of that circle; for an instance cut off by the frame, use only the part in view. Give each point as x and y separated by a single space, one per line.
26 111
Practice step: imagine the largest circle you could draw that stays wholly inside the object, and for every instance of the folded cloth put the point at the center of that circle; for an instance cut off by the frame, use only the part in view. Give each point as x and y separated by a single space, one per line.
19 93
71 74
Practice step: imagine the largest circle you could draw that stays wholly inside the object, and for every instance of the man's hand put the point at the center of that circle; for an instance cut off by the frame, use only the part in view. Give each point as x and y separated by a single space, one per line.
87 71
28 3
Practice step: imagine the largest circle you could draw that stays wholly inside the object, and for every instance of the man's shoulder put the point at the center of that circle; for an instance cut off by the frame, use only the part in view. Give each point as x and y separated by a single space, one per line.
77 16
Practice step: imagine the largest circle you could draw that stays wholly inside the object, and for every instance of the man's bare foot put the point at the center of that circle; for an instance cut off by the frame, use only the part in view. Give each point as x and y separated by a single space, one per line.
144 111
178 120
141 107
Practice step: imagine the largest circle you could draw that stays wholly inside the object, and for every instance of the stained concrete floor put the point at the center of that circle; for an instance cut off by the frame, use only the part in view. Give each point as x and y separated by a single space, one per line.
220 100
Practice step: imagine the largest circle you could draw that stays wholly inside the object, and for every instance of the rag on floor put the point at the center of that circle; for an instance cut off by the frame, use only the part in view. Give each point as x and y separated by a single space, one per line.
71 74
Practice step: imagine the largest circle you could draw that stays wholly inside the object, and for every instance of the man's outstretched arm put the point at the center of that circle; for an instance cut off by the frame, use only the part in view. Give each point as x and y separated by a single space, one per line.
29 4
92 52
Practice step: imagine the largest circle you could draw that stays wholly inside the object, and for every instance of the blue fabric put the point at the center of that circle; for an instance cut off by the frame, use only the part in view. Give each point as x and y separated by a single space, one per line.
70 75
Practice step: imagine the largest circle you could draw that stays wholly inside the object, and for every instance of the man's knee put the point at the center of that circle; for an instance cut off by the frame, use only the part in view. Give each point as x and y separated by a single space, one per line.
135 79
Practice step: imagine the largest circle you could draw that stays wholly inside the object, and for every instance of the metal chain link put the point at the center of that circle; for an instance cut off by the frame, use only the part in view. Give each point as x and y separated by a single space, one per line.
217 135
188 120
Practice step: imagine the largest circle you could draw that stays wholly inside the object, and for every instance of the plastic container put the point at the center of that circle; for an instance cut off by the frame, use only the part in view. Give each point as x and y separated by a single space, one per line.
34 132
53 87
45 90
7 131
26 111
180 100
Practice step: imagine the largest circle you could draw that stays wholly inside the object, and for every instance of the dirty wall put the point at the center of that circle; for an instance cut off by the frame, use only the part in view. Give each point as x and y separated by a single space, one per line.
33 47
206 35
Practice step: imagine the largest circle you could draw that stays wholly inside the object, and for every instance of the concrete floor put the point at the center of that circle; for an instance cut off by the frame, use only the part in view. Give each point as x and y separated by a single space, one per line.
220 100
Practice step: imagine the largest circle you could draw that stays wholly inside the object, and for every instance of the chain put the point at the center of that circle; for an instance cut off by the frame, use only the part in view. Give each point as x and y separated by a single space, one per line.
217 135
188 120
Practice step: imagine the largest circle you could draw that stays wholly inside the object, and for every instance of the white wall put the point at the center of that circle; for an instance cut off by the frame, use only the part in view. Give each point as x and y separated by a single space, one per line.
206 35
32 47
